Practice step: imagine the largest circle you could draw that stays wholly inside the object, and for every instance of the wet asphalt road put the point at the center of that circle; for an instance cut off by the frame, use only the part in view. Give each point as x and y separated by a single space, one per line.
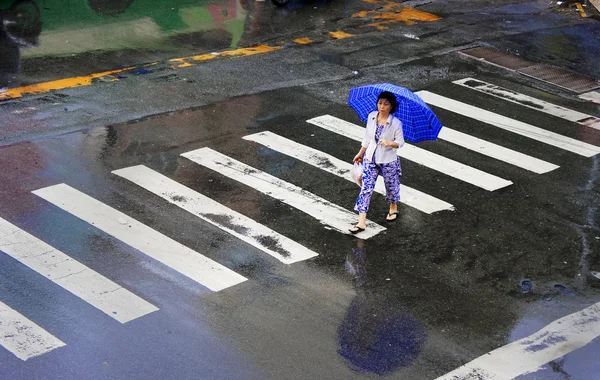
429 294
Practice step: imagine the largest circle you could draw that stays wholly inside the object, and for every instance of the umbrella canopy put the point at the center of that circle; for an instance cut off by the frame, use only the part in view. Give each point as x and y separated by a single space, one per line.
418 120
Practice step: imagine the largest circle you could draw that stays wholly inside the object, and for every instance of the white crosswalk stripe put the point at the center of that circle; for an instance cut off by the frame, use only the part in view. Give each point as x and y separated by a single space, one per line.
495 151
325 212
530 353
141 237
90 286
506 123
531 102
421 156
22 337
330 164
285 250
592 96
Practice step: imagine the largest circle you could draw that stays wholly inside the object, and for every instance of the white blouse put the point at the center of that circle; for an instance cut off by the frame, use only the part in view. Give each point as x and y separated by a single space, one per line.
392 130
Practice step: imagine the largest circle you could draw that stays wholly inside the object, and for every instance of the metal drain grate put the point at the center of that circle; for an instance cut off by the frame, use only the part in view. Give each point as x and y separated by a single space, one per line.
561 77
554 75
496 57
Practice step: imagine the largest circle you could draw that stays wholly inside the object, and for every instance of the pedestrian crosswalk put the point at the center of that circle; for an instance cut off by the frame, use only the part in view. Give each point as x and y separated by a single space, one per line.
421 156
495 151
280 247
141 237
95 289
464 140
512 125
328 163
25 339
531 102
325 212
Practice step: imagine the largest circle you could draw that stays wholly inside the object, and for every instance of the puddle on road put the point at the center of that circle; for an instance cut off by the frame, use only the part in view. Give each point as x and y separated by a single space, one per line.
48 41
570 48
82 36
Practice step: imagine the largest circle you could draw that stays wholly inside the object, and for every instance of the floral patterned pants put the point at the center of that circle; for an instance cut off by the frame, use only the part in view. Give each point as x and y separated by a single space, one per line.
390 172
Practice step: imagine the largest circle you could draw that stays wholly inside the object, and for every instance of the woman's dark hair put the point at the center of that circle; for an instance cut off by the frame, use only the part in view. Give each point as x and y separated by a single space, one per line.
390 98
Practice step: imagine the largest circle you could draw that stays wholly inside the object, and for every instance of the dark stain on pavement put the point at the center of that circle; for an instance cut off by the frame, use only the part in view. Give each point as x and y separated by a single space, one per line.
473 83
515 98
272 244
225 221
179 198
325 163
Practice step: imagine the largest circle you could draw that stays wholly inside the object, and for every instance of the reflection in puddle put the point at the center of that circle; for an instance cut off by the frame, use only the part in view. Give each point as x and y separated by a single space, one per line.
376 335
139 24
67 28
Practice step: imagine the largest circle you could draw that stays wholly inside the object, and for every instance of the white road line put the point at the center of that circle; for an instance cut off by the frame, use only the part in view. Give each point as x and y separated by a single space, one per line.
531 102
330 164
22 337
592 96
495 151
506 123
324 211
421 156
285 250
141 237
529 354
97 290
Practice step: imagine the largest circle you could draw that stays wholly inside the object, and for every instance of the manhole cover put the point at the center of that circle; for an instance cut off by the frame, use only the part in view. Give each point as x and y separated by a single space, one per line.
554 75
561 77
496 57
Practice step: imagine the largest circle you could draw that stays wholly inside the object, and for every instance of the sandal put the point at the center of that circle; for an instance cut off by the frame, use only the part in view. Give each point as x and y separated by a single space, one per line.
394 214
356 229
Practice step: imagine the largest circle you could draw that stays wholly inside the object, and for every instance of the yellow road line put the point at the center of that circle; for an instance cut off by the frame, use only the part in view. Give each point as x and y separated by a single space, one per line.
86 80
243 52
60 84
581 10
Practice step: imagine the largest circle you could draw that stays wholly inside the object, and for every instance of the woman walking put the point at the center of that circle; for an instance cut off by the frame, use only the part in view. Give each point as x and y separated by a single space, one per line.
383 136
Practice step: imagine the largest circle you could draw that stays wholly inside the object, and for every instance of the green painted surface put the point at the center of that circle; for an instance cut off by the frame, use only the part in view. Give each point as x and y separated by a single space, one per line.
72 13
69 25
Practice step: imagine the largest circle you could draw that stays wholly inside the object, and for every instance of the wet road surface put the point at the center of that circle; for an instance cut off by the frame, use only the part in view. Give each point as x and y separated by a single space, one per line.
417 300
73 38
443 283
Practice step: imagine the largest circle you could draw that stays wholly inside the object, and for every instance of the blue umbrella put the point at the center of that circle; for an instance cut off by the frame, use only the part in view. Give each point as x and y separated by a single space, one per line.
419 123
